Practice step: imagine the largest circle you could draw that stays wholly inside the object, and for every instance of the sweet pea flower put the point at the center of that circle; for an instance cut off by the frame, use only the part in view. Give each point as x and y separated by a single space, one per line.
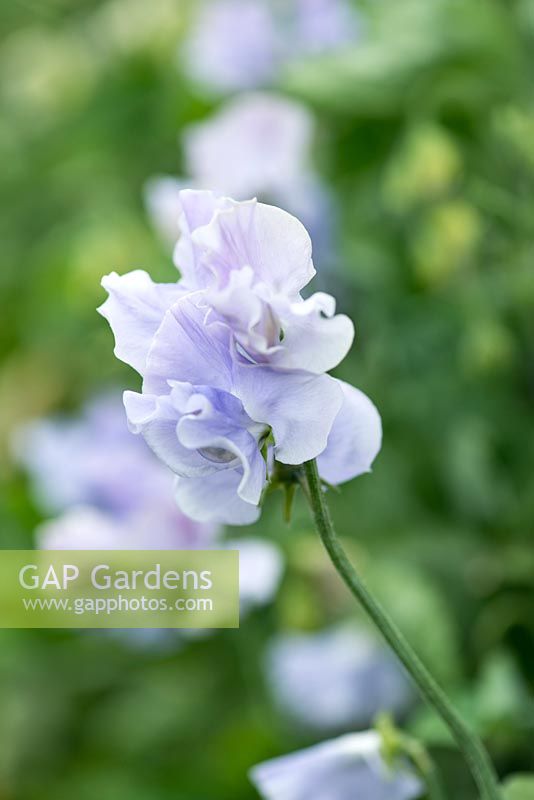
261 567
106 481
234 360
323 25
232 45
347 768
87 528
236 45
109 492
349 675
259 144
162 202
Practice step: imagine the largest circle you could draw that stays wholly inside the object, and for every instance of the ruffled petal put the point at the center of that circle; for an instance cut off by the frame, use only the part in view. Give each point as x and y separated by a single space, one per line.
215 498
271 241
355 438
219 437
313 338
155 418
298 406
134 309
185 349
196 209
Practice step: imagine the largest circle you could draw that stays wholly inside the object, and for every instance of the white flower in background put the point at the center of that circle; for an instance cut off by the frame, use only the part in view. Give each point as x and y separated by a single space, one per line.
349 675
258 145
87 528
162 202
260 571
348 768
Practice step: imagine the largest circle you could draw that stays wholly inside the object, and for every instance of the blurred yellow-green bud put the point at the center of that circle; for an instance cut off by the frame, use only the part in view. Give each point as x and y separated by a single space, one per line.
487 346
128 26
298 606
424 168
390 737
30 386
445 241
99 247
515 126
59 72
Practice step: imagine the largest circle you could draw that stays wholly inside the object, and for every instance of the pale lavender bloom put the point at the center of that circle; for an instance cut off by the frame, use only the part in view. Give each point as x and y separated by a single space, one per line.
86 528
259 145
244 44
260 571
205 436
233 45
112 493
162 201
83 528
348 768
107 480
348 674
354 440
232 352
323 25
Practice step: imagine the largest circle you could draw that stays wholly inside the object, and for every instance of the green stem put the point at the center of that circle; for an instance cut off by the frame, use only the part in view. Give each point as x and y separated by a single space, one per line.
426 768
469 743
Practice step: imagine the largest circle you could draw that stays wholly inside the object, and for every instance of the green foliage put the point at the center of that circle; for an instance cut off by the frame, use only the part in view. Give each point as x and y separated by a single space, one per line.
519 787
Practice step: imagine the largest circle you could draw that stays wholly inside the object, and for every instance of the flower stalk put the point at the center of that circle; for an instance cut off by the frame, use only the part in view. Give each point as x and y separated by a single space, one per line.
397 743
468 742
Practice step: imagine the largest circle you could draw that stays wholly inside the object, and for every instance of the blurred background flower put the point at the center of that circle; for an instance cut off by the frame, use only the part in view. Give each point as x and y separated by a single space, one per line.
350 676
243 44
258 145
420 118
337 768
111 493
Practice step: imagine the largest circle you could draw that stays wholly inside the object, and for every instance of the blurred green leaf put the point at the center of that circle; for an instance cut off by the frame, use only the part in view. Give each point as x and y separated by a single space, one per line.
519 787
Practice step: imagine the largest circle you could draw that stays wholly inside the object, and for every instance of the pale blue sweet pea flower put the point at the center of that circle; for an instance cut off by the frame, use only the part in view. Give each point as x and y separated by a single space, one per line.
261 563
89 528
325 25
258 143
232 354
205 436
161 195
108 491
107 482
261 567
235 45
349 675
348 768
